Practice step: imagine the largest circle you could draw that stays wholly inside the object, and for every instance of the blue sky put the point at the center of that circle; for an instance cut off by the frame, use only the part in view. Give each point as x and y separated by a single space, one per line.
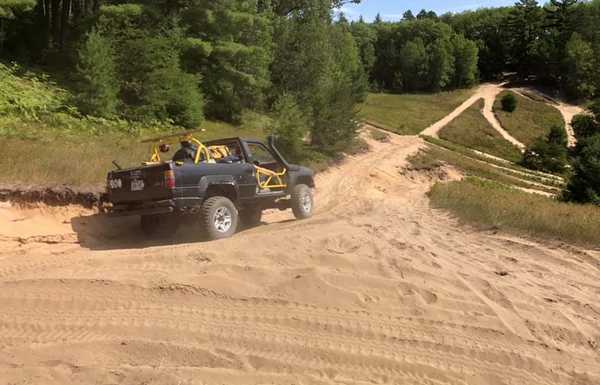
393 9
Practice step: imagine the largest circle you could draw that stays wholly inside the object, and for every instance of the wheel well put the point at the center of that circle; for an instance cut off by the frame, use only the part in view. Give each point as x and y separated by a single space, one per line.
306 180
222 190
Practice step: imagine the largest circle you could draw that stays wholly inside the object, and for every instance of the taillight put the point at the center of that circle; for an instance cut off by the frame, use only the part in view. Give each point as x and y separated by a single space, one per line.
170 179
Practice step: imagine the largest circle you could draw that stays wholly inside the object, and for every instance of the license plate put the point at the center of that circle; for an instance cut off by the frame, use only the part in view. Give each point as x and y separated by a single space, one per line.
137 185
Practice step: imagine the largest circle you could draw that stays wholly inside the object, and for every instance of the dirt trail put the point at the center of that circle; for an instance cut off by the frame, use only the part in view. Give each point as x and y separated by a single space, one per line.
488 92
568 111
376 288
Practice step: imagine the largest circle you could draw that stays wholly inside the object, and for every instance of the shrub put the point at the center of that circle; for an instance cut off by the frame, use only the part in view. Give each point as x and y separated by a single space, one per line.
548 154
29 95
509 102
98 85
584 186
290 126
585 126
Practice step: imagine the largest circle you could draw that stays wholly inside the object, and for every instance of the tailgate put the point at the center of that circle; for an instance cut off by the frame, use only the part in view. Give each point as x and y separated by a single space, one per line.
146 183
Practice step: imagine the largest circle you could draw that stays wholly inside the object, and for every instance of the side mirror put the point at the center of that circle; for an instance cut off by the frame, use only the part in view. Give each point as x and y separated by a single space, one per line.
164 148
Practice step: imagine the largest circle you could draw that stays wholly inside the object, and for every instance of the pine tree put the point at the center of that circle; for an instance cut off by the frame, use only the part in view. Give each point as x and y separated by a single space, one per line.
408 16
525 34
98 86
238 39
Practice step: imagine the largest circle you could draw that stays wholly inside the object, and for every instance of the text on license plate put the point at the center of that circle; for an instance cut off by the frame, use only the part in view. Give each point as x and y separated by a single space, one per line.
137 185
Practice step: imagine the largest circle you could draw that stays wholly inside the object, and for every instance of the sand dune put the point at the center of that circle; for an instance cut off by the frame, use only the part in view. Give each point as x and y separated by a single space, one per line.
376 288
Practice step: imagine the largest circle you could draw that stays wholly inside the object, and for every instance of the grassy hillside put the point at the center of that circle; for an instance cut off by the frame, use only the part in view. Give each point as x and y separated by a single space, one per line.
409 114
530 120
492 204
472 130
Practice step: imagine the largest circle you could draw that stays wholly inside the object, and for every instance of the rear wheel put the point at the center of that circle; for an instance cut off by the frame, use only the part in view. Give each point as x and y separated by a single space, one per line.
160 225
302 202
251 217
219 218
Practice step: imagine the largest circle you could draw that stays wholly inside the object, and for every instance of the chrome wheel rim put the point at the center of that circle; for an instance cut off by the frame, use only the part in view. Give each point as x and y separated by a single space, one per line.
223 220
306 203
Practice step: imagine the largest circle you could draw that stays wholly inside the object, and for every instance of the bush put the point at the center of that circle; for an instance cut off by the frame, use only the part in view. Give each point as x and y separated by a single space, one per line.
290 126
98 85
509 102
585 126
584 186
29 95
548 154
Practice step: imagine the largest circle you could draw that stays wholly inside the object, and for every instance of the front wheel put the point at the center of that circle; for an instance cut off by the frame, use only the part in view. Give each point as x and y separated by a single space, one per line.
302 202
219 218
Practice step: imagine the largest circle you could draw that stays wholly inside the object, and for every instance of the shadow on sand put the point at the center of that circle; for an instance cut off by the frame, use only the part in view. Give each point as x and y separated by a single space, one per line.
101 232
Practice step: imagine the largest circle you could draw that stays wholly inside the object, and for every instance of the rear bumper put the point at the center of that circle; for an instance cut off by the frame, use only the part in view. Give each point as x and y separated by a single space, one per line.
180 205
147 208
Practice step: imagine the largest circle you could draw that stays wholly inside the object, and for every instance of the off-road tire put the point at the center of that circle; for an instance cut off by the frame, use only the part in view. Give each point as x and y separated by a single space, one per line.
219 218
251 217
160 225
301 208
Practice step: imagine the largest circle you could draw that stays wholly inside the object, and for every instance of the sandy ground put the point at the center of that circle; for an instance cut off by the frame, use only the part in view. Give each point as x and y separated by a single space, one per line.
377 288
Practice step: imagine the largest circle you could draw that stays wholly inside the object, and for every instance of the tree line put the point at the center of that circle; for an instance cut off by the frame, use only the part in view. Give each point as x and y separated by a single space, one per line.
184 60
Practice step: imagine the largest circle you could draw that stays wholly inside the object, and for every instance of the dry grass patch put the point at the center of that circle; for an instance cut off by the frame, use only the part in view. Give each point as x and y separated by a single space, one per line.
84 160
492 204
472 130
530 120
409 114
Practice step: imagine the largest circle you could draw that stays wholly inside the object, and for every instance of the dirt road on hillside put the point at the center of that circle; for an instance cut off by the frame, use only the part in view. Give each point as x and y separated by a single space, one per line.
488 92
376 288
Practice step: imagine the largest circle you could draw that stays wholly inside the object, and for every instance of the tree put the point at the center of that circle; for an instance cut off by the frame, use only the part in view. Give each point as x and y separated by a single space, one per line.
155 87
238 46
8 11
98 86
408 16
525 34
319 64
290 126
342 19
378 19
584 185
581 65
365 37
465 61
414 64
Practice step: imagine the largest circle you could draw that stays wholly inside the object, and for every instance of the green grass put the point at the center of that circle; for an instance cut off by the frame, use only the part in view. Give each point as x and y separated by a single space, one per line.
409 114
434 156
472 130
530 120
491 204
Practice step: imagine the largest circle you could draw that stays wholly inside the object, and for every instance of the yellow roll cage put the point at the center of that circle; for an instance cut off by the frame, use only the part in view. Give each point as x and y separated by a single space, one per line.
182 137
266 179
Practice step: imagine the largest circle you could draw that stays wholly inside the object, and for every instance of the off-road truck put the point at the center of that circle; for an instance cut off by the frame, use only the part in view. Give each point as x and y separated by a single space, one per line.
222 183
